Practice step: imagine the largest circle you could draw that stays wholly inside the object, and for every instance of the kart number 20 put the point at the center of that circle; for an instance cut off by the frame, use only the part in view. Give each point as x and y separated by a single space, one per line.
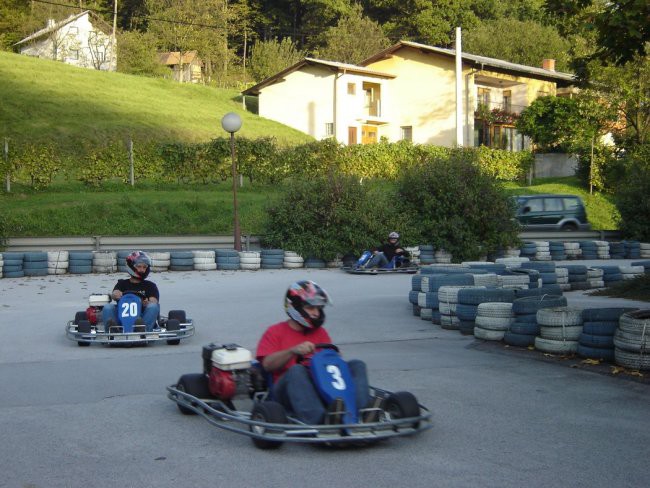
337 380
129 309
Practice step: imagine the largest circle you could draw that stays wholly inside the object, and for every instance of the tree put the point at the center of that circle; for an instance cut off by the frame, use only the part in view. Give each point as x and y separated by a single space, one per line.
622 26
137 54
524 42
271 57
341 43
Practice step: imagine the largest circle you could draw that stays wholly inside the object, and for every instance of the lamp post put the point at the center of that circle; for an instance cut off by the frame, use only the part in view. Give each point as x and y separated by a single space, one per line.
231 122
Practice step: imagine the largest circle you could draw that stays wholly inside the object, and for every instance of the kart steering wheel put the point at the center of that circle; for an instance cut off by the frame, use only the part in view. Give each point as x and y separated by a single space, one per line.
320 345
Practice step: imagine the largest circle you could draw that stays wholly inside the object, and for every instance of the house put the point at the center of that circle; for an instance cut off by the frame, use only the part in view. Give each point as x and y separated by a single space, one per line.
82 40
407 92
185 69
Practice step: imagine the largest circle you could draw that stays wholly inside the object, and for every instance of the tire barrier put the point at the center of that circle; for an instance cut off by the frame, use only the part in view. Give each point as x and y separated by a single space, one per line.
160 261
80 262
271 258
204 260
35 264
104 262
57 262
632 340
426 254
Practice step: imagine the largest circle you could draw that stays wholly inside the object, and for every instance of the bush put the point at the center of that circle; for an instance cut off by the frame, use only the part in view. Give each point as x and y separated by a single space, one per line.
632 196
451 203
323 217
38 163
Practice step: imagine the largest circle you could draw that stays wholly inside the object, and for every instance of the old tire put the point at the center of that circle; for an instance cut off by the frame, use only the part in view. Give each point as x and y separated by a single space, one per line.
400 405
269 412
195 384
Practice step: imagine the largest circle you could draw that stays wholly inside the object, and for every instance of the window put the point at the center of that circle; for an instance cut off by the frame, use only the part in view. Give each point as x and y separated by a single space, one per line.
329 129
352 88
553 204
73 54
407 133
507 100
535 204
571 203
483 96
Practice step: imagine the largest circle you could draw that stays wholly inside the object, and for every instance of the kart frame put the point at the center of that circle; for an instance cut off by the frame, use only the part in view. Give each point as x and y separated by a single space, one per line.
115 335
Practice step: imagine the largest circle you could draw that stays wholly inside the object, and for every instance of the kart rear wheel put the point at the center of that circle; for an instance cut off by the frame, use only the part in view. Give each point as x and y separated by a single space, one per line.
83 344
174 324
196 385
402 404
80 316
270 412
178 315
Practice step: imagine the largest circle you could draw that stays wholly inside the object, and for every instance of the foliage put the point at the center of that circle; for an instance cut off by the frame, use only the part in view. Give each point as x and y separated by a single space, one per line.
341 43
323 217
271 57
103 163
632 195
455 206
137 54
523 42
39 163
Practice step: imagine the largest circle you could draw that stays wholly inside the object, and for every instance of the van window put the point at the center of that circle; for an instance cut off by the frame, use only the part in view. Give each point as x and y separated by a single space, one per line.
535 204
553 204
570 203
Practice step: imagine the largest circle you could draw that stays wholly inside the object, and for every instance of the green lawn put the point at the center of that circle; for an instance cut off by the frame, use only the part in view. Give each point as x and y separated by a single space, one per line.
48 101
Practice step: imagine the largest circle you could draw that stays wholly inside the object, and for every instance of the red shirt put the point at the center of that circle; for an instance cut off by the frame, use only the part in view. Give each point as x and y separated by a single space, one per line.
281 336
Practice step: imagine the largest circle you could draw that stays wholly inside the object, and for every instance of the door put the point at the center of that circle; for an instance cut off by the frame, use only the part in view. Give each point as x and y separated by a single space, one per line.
368 134
352 135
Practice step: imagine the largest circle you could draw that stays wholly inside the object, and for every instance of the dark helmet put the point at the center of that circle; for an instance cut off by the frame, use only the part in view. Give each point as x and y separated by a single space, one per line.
138 257
302 293
393 235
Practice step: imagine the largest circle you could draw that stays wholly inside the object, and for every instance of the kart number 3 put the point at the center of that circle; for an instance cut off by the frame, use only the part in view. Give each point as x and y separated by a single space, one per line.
129 309
337 380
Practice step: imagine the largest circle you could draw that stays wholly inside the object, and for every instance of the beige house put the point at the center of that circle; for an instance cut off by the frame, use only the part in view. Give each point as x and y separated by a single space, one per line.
407 91
82 40
190 70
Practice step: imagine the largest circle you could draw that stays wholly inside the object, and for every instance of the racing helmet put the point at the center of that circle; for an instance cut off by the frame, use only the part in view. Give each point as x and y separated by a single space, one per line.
302 293
393 235
138 257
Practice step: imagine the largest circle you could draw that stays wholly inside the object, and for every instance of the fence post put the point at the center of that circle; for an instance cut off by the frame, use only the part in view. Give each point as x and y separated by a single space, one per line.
131 172
6 158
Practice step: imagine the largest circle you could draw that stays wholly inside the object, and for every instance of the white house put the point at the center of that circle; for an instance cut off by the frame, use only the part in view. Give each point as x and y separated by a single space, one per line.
82 40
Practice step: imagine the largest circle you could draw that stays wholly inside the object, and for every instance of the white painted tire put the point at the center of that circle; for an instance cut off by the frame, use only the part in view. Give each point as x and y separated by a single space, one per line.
291 254
489 335
556 347
200 261
292 265
571 333
203 254
559 316
159 269
205 266
249 254
495 309
247 260
494 323
160 263
58 271
160 256
57 256
249 266
104 269
447 308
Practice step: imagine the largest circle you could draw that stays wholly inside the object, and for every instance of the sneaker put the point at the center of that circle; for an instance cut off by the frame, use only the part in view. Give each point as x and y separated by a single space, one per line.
371 413
335 412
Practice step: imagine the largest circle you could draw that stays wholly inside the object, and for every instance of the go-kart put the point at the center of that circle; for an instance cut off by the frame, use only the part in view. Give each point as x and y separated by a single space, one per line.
87 327
398 264
231 374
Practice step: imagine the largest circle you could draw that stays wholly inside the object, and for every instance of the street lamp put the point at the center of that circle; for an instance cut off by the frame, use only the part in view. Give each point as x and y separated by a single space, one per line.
231 122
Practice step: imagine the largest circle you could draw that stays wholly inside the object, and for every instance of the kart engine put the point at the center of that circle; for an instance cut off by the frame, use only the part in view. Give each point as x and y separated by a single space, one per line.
96 302
228 368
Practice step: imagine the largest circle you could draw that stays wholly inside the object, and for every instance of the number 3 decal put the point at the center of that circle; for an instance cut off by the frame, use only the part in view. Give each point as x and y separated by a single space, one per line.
337 380
129 309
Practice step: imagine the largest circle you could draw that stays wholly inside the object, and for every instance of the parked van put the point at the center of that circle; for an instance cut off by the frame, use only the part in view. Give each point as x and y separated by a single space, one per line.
551 212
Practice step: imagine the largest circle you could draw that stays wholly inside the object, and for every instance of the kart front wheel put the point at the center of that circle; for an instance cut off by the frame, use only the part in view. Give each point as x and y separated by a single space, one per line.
401 405
195 385
269 412
172 325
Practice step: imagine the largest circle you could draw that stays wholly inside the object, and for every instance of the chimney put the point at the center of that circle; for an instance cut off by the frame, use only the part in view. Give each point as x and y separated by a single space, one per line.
548 64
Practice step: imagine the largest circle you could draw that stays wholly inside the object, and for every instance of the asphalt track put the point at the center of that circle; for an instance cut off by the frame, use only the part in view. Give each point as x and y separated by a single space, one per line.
99 416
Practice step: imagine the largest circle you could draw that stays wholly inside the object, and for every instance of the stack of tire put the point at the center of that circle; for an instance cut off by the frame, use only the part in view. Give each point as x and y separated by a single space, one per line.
35 264
632 340
611 274
524 328
250 260
121 260
447 303
428 300
469 300
512 262
204 260
272 258
292 260
644 250
542 251
181 261
493 320
511 252
227 259
335 263
426 255
528 250
572 250
578 276
539 291
104 262
13 265
416 288
414 254
589 250
617 250
546 271
315 263
2 263
557 251
631 272
57 262
559 329
160 261
443 257
562 275
512 280
602 249
645 264
632 249
80 262
598 328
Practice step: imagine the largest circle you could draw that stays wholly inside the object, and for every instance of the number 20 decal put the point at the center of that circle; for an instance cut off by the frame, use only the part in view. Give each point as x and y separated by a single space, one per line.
129 309
337 380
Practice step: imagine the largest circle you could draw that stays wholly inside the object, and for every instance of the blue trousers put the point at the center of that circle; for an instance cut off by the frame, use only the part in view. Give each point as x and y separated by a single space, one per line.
297 393
377 261
149 314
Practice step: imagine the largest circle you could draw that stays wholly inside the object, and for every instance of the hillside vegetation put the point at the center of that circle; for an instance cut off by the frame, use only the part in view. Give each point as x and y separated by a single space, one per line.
48 101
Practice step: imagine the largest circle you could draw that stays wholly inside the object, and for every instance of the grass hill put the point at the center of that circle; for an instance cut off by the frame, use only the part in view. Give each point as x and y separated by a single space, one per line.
45 100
